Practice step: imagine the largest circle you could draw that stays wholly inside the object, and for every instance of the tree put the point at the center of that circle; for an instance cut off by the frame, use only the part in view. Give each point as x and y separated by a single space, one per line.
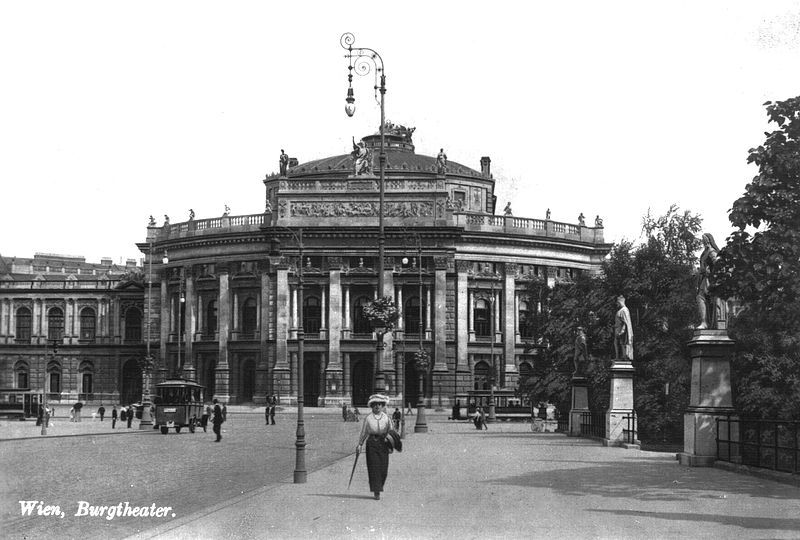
760 266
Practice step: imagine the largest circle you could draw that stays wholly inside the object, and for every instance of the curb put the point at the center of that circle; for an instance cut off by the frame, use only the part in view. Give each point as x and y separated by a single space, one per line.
101 434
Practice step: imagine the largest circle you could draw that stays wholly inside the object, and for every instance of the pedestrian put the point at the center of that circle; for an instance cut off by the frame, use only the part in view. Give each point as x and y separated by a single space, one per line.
480 420
266 412
224 413
101 411
40 416
344 411
72 414
114 417
218 419
377 425
408 408
396 416
273 403
129 415
204 419
356 413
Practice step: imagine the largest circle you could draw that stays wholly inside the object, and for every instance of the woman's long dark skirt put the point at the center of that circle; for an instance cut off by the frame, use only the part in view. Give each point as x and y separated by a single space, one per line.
377 463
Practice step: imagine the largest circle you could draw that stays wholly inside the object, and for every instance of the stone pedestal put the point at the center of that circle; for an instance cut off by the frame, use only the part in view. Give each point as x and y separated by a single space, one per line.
580 404
711 396
620 417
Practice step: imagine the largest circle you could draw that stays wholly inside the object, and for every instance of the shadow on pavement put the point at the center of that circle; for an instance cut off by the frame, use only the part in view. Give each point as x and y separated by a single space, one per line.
761 523
340 496
648 480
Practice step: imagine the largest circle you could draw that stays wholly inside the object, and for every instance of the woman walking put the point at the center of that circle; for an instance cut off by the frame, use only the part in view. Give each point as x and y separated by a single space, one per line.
377 425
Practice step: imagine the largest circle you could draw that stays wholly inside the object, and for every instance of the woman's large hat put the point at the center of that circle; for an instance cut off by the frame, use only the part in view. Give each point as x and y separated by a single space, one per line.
377 398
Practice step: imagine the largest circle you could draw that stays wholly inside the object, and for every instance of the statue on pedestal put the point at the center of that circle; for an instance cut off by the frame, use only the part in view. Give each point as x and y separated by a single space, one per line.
580 358
598 221
710 308
362 158
507 209
623 332
547 214
582 220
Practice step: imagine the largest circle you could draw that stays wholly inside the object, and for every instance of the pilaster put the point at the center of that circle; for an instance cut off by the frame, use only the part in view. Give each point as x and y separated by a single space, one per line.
440 315
462 318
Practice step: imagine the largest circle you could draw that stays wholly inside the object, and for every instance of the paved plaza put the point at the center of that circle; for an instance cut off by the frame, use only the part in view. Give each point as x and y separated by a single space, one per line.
453 482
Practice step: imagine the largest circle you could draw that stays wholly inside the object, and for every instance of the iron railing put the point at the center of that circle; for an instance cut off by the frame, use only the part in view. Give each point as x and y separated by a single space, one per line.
629 434
767 444
593 424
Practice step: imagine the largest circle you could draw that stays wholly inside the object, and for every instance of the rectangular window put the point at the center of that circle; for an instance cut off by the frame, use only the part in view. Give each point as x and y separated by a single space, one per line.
55 383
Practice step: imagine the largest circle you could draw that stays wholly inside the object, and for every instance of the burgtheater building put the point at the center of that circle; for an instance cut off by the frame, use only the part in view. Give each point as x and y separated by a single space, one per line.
219 297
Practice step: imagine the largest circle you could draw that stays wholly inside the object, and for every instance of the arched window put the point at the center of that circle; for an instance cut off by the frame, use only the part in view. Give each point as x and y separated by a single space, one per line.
412 315
361 324
211 320
525 320
54 374
88 324
55 323
249 317
21 374
23 325
482 315
133 324
312 314
525 372
482 376
86 370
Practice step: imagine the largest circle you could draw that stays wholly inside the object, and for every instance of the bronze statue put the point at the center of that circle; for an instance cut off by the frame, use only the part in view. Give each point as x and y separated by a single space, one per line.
623 332
710 308
283 162
441 162
580 358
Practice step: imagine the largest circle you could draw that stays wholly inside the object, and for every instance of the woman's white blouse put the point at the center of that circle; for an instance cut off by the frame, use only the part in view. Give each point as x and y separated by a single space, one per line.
375 425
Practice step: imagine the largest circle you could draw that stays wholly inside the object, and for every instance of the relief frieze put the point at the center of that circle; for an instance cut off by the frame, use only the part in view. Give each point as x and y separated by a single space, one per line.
360 209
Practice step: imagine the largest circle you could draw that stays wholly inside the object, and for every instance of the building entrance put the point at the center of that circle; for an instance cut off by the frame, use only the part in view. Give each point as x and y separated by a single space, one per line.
311 367
412 382
247 380
131 391
362 380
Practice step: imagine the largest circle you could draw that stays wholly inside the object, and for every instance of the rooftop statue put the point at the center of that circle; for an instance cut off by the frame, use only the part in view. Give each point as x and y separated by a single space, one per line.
152 222
598 221
191 214
582 220
227 211
507 209
166 220
710 308
362 158
547 214
396 129
441 162
283 162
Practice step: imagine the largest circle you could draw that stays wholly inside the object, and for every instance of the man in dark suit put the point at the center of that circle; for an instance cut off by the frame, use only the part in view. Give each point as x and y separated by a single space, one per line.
272 404
114 417
217 420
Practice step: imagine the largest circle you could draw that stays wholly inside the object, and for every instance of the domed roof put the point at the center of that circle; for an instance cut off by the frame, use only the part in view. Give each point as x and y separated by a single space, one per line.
400 157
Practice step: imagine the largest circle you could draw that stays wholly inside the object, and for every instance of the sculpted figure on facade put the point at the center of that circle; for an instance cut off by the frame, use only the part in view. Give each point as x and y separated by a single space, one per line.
441 162
547 214
362 158
268 207
283 162
623 332
191 214
166 220
507 209
598 221
582 220
710 308
152 222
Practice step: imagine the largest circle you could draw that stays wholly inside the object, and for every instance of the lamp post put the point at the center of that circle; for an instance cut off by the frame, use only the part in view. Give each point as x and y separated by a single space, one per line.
300 440
147 364
45 413
362 60
178 365
421 425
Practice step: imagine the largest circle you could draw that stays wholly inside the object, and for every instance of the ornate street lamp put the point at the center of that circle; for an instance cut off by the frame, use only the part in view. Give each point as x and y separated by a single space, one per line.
362 60
300 472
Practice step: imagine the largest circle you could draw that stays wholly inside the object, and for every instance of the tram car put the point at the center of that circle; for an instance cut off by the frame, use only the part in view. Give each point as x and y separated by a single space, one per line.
179 404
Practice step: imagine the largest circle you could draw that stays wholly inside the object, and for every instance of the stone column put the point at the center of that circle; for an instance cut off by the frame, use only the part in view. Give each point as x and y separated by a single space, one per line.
334 316
114 318
294 384
399 302
164 334
498 329
471 315
293 329
462 316
710 398
323 312
189 323
516 319
509 323
281 373
580 404
346 313
264 365
428 309
620 417
346 385
440 290
223 371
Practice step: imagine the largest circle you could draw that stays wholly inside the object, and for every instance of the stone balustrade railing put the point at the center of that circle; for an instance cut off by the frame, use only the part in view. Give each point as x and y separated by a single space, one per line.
471 221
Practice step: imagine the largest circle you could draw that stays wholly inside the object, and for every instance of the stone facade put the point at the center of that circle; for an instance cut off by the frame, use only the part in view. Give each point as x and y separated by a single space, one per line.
445 251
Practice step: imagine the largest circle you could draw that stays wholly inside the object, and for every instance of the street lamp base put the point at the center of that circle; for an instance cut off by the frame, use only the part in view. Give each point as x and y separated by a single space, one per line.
300 477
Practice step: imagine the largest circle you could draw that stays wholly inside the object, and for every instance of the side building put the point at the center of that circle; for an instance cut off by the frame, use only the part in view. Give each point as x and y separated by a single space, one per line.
93 312
226 294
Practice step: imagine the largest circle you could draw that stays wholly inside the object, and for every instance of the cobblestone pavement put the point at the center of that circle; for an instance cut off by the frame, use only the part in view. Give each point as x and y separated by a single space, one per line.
185 471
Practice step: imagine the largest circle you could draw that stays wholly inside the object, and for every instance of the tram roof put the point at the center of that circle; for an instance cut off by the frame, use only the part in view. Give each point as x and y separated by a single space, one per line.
179 382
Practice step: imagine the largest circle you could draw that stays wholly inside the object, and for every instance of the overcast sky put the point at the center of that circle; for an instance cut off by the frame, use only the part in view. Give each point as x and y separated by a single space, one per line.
113 111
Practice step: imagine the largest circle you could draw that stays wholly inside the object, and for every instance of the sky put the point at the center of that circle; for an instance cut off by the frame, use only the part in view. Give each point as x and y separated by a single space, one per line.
114 111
